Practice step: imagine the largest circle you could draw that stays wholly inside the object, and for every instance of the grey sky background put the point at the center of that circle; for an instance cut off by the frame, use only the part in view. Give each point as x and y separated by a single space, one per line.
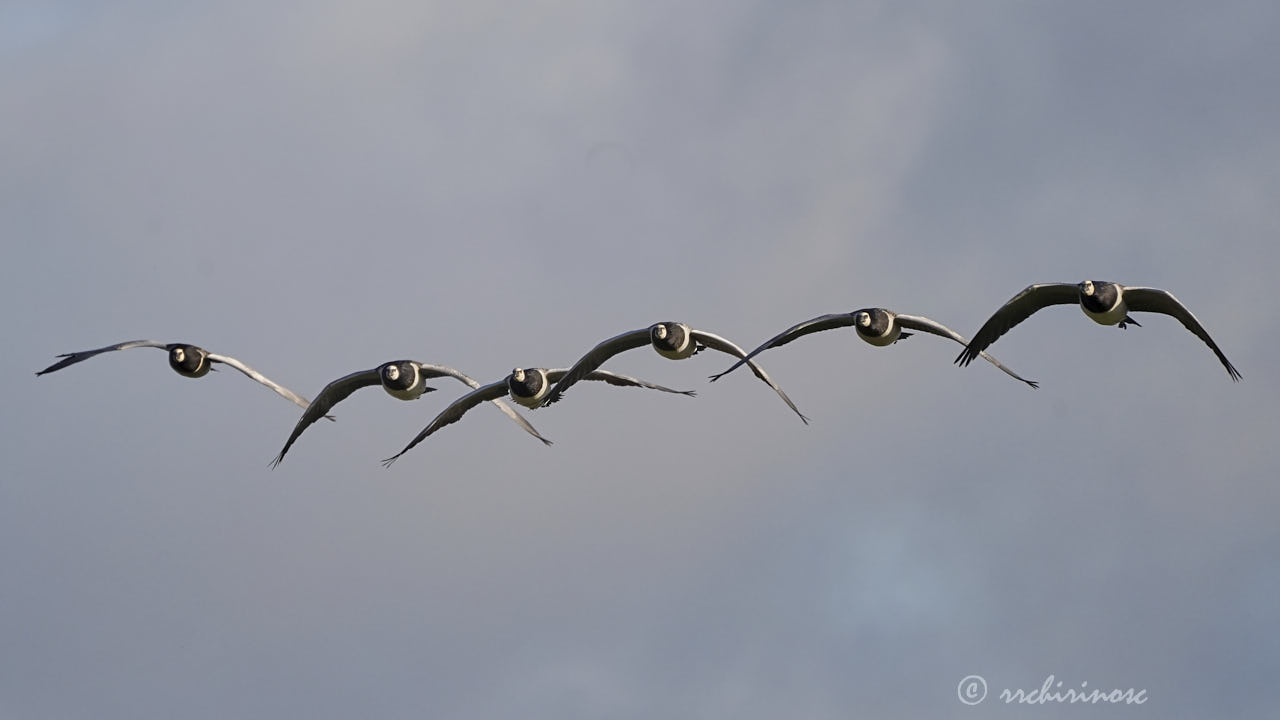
316 188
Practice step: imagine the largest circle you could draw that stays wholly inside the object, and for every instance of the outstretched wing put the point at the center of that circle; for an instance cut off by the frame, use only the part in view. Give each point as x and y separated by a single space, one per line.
75 357
1019 308
818 324
924 324
437 371
283 391
1144 299
434 371
454 413
715 342
597 357
621 381
332 394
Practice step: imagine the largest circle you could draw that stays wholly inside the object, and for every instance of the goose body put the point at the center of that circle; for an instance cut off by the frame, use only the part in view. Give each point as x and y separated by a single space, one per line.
876 326
401 379
187 360
672 340
527 386
1106 303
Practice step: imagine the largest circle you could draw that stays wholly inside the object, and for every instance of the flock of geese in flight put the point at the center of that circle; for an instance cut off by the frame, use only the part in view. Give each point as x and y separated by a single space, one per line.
1104 302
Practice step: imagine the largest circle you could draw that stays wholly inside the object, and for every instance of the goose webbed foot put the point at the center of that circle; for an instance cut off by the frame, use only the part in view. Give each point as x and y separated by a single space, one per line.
1127 321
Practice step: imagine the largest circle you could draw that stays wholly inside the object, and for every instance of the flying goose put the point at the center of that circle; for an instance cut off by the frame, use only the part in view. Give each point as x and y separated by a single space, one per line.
187 360
527 386
1105 303
672 340
878 326
402 379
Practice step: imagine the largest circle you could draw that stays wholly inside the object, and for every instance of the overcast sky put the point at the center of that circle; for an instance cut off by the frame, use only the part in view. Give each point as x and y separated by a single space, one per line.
317 188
